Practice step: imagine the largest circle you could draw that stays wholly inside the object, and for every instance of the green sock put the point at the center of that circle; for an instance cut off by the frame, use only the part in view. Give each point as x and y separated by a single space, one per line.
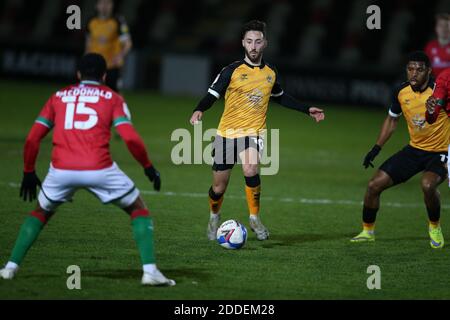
143 235
27 235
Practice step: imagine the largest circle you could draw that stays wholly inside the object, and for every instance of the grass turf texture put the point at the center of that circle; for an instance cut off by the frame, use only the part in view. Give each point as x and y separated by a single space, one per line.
309 255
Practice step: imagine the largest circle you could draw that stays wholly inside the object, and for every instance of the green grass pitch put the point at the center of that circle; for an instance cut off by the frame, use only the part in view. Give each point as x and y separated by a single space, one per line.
312 208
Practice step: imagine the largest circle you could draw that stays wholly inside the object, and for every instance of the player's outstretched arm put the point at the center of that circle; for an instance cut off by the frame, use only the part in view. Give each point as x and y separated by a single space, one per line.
136 146
204 104
30 180
290 102
388 127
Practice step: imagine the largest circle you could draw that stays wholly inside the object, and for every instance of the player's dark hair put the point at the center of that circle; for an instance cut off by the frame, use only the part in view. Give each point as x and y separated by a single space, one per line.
419 56
254 25
92 66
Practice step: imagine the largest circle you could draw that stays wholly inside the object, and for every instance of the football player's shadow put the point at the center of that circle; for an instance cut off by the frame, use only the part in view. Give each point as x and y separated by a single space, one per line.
191 273
299 238
133 274
113 274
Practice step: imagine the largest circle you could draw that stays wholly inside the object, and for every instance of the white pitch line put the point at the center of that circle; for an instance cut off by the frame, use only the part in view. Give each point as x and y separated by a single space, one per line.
293 200
290 200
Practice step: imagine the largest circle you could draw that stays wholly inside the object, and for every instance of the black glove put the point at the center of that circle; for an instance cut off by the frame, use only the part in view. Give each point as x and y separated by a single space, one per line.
28 188
371 156
154 177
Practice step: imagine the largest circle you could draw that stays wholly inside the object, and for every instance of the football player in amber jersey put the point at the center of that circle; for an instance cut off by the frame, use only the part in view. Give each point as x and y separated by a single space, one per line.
81 117
426 151
109 36
247 86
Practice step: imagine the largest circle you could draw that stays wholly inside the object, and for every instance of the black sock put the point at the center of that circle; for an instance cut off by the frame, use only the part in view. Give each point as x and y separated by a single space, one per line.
434 214
369 215
253 182
214 196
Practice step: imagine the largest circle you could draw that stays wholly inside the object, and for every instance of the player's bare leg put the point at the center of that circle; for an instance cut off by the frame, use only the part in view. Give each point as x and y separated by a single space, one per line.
379 182
216 193
430 182
28 234
139 204
142 225
250 168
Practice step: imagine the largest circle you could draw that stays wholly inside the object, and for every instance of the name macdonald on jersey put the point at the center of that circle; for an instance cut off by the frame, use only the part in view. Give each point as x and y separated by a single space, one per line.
94 92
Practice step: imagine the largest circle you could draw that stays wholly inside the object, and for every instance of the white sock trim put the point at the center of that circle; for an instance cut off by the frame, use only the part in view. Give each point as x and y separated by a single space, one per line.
12 265
213 215
149 268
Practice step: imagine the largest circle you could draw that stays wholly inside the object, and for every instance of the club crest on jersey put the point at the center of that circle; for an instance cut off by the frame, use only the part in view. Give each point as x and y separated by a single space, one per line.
419 122
244 77
269 79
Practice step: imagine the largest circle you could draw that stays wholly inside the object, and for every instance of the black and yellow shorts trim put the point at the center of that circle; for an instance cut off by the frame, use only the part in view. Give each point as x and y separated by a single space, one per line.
410 161
226 151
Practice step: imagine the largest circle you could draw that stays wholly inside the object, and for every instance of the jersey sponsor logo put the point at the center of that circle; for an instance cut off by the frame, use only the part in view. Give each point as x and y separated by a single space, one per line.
419 122
255 98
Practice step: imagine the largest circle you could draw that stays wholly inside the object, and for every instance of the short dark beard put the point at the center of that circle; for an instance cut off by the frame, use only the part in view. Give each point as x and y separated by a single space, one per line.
256 60
421 87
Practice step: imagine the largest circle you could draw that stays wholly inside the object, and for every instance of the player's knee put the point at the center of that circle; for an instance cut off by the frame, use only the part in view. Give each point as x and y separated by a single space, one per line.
375 187
250 170
138 204
428 187
219 187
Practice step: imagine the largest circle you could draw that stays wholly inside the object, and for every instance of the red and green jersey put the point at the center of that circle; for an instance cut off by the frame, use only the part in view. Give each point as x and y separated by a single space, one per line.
81 117
442 90
442 94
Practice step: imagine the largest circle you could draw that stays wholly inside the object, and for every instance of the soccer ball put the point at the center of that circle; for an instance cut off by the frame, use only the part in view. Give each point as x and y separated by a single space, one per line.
232 234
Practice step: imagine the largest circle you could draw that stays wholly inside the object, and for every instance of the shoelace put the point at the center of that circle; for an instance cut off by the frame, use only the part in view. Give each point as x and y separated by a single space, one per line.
435 231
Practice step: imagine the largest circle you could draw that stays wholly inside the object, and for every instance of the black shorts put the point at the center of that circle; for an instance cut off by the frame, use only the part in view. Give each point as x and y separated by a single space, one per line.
226 151
410 161
112 78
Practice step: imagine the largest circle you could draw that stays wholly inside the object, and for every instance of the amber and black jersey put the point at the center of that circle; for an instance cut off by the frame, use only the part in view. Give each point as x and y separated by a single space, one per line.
105 37
247 90
429 137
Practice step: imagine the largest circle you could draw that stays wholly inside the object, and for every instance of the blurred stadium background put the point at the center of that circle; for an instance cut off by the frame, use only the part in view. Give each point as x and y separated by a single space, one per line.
322 48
